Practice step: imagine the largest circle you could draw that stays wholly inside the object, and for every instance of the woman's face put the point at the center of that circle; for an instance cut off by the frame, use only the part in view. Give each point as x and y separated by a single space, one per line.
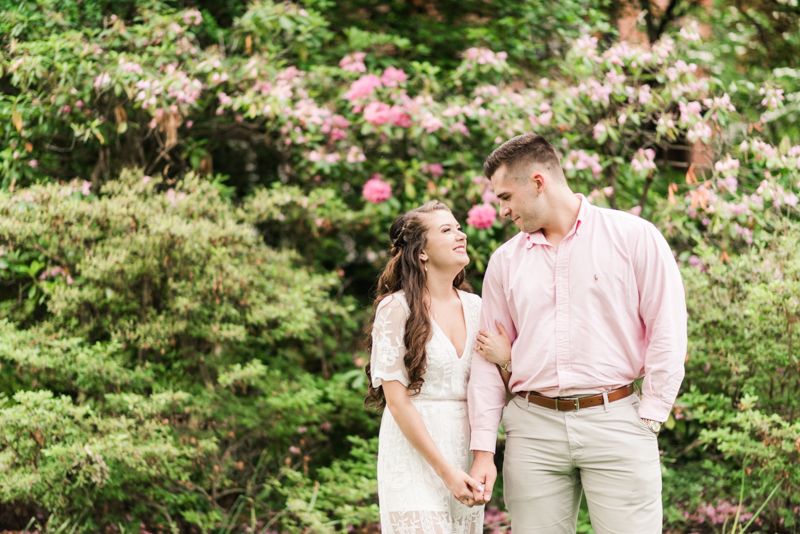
446 249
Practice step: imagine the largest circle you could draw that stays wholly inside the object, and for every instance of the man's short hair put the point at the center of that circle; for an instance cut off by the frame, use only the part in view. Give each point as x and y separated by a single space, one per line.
522 151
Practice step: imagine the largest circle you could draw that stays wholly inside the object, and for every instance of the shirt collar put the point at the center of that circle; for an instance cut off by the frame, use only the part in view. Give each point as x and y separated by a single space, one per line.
537 237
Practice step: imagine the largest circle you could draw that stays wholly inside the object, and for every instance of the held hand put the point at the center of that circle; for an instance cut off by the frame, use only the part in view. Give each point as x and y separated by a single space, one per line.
495 348
461 485
485 473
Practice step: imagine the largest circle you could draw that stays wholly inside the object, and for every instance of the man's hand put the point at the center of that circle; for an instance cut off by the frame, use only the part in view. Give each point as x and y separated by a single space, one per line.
485 472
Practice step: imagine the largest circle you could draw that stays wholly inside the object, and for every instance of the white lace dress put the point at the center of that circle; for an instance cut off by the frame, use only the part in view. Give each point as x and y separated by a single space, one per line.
413 499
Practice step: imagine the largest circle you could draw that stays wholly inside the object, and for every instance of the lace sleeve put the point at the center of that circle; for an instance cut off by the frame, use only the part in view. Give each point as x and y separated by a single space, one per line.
388 349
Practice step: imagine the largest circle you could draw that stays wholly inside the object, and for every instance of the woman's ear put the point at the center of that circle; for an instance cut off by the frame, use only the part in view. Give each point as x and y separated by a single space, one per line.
423 256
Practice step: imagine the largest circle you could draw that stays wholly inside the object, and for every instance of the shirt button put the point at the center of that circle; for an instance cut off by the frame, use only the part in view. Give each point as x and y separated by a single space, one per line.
560 278
561 338
562 308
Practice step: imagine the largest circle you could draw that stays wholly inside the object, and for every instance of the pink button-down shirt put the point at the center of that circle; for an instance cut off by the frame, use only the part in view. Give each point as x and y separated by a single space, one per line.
603 309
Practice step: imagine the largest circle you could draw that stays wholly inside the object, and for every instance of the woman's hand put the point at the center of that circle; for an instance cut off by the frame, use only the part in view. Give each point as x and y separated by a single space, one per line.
495 348
461 485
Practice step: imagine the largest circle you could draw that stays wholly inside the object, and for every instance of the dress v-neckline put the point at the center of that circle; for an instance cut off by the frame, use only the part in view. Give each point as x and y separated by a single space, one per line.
466 328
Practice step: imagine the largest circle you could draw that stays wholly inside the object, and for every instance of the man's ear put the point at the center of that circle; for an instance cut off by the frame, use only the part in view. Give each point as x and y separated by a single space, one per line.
537 180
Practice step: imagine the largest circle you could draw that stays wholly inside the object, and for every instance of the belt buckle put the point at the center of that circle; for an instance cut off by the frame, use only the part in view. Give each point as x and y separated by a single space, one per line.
577 404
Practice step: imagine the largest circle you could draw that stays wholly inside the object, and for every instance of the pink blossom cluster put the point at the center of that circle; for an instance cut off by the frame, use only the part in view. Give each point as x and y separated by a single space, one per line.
691 32
363 87
726 165
599 131
85 188
545 118
54 272
690 112
366 84
192 16
354 62
720 102
680 67
580 160
335 126
379 113
101 80
484 56
644 160
434 169
431 123
376 190
481 216
393 77
586 46
355 155
698 132
330 158
772 98
129 66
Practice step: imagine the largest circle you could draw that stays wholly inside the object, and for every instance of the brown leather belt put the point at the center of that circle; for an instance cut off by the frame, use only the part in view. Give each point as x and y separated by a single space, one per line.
568 405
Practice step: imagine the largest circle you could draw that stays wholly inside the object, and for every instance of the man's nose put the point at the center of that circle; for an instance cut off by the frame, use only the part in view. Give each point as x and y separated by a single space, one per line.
505 211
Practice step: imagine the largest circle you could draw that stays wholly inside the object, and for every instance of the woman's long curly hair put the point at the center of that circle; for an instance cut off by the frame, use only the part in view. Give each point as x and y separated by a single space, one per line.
405 271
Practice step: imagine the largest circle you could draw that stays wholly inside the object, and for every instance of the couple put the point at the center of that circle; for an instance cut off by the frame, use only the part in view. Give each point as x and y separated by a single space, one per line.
575 307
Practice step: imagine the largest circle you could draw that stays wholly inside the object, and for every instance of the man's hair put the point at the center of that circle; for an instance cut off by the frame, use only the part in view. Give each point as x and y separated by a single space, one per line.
522 151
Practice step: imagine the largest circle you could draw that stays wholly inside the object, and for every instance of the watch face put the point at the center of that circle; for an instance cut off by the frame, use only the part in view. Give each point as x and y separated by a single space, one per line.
655 426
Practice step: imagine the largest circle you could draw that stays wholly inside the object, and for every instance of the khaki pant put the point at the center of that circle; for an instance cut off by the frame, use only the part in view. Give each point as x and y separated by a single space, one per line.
607 451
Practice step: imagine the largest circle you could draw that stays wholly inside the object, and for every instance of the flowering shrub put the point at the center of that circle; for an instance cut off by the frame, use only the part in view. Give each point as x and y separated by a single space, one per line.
275 134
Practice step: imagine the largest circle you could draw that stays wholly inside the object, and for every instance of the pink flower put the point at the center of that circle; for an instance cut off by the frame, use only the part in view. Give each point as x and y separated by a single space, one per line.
432 123
65 109
399 117
34 163
599 130
434 169
636 210
644 94
489 197
354 62
86 188
644 160
355 155
301 430
392 76
376 190
791 199
192 16
332 157
482 216
224 100
377 113
325 426
729 183
102 80
79 104
294 450
363 87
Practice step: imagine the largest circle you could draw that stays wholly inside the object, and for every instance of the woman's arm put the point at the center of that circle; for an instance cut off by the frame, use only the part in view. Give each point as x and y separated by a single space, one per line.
410 422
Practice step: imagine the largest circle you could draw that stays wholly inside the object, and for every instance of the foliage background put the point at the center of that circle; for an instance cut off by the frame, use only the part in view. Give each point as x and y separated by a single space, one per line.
187 254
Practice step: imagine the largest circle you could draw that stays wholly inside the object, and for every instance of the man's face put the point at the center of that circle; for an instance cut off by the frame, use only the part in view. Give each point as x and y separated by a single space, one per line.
519 199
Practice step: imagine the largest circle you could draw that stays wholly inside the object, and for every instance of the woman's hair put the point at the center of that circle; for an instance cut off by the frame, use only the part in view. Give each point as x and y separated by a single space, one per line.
405 271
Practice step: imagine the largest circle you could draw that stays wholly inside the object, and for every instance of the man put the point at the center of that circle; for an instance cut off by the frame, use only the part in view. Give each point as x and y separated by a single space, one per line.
592 299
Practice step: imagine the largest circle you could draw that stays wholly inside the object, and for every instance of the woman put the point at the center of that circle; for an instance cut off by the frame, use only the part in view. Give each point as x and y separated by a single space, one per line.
425 325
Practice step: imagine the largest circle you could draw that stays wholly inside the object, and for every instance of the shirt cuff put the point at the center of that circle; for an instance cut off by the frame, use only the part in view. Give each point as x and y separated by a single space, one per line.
483 440
654 409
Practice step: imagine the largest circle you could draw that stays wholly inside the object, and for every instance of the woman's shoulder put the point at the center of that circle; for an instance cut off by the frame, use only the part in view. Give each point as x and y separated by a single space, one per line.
394 301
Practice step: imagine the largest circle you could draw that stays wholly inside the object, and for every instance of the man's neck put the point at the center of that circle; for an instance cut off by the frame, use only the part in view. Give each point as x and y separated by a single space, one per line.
564 213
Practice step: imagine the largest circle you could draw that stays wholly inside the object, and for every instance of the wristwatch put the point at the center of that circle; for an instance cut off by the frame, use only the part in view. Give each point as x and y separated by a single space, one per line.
507 367
655 426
